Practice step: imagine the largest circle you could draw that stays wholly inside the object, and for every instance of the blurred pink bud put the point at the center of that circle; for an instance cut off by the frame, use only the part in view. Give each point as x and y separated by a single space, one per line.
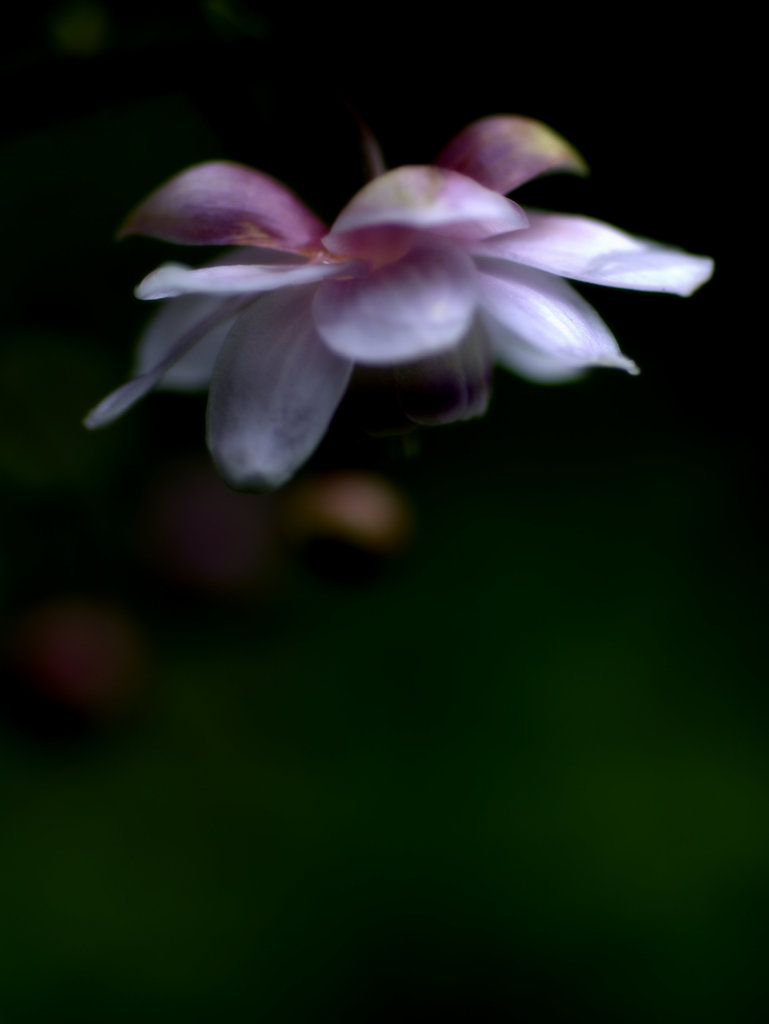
198 535
81 653
349 521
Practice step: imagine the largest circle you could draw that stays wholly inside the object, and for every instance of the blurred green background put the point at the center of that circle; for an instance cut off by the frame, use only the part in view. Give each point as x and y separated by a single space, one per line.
509 762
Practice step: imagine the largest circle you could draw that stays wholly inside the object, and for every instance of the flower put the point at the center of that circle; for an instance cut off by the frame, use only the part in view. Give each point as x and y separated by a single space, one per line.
429 272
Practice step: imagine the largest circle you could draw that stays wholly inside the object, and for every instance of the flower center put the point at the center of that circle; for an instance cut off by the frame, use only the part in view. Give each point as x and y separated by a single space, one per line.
376 246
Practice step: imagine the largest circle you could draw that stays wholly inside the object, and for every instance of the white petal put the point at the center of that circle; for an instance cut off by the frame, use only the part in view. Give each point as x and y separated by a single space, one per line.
172 279
589 250
409 309
274 391
177 316
515 354
119 401
540 326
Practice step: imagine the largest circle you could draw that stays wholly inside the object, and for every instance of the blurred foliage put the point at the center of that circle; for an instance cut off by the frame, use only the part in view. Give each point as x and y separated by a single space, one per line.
517 769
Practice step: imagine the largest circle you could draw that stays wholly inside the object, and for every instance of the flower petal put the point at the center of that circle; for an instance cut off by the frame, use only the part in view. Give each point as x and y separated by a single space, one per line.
119 401
589 250
429 199
409 309
274 391
172 279
177 316
223 203
505 151
451 386
539 325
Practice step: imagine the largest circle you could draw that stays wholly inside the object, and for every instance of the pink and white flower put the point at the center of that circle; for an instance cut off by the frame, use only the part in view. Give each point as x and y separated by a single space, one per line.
429 271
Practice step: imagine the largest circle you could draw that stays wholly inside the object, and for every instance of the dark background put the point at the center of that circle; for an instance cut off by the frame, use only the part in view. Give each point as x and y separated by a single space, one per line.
515 769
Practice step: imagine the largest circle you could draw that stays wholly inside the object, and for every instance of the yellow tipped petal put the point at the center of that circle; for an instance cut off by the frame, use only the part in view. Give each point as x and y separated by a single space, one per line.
505 151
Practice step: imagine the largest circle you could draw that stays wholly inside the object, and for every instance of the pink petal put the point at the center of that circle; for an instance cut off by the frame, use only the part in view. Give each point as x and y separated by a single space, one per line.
222 203
451 386
410 309
172 279
425 199
539 325
274 392
589 250
505 151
